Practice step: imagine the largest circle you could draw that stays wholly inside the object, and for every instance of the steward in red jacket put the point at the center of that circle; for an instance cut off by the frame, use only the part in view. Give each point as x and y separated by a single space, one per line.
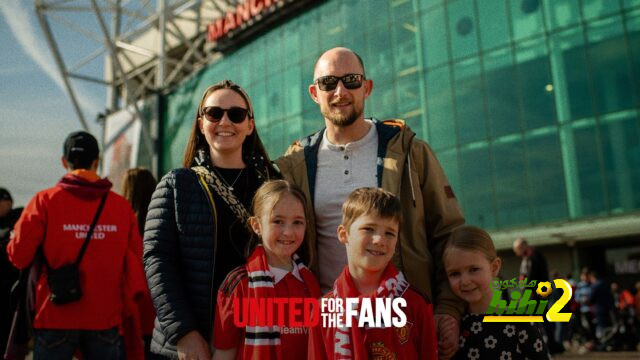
57 221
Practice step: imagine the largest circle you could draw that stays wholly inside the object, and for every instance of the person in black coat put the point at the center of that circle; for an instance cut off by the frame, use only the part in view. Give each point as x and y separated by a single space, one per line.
195 231
8 218
534 267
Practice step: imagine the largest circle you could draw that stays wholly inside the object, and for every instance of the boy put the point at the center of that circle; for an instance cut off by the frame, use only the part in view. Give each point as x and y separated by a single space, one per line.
369 230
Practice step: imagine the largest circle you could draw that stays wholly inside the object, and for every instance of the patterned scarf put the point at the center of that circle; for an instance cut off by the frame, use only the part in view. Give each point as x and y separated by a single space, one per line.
263 342
392 285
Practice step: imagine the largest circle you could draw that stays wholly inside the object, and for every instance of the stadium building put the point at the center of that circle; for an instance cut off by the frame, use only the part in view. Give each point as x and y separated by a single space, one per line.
532 106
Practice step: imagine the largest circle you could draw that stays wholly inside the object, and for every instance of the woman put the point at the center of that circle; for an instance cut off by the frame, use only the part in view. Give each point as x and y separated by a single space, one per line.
137 187
195 231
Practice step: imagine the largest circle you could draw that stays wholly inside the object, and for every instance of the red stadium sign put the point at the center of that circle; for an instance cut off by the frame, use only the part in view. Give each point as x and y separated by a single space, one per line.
249 13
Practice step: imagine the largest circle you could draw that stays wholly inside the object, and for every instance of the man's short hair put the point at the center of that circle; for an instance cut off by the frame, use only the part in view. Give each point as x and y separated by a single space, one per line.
80 149
368 200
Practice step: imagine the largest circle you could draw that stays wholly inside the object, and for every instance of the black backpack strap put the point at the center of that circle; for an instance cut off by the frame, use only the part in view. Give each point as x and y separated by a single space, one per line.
93 225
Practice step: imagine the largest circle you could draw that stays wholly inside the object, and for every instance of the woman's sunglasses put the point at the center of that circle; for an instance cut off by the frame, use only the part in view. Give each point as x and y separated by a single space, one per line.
330 82
215 113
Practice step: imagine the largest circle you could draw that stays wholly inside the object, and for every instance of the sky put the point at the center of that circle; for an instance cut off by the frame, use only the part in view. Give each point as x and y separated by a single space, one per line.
35 112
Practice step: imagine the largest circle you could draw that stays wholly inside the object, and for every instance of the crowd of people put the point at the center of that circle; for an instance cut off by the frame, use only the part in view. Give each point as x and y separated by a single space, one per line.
360 209
605 316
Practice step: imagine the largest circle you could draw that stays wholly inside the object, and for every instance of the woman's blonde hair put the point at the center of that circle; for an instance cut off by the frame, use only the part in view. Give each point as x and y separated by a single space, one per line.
265 199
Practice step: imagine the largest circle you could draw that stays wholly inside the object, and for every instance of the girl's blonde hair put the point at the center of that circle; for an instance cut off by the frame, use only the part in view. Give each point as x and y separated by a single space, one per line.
470 237
265 199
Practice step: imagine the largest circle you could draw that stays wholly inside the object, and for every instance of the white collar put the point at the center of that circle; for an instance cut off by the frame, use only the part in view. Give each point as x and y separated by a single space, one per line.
279 274
369 136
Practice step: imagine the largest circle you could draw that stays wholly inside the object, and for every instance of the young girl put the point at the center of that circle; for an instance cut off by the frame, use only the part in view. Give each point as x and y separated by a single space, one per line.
273 270
471 263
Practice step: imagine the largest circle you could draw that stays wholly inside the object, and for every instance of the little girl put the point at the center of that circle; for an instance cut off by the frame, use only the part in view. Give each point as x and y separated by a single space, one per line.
471 263
273 270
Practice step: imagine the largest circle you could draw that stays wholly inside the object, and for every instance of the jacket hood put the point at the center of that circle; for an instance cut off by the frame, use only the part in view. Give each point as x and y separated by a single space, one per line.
84 188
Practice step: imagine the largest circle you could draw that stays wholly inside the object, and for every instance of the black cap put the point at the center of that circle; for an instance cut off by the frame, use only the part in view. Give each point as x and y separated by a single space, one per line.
4 194
81 145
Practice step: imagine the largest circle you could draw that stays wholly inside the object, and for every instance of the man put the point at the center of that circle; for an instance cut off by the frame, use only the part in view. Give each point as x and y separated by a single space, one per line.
533 265
8 218
603 303
53 227
353 152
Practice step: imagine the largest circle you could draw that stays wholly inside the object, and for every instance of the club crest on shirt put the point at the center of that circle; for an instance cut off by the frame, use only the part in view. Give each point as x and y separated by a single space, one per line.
404 332
377 351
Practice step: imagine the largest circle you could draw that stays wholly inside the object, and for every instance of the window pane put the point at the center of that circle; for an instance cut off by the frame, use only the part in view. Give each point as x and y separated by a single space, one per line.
442 132
427 4
293 91
597 8
610 68
307 79
409 102
434 37
546 178
330 28
561 13
291 42
538 105
576 75
502 100
494 27
405 44
512 200
462 27
526 16
382 103
260 107
276 136
477 188
273 44
275 103
631 3
380 60
354 35
310 35
469 102
621 150
592 190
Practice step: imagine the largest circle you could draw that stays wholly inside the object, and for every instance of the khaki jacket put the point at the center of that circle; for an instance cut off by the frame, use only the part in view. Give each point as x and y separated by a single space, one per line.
408 168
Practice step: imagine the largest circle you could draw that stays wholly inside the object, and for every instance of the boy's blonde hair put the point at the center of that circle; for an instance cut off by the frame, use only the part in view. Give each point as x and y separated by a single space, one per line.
470 237
368 200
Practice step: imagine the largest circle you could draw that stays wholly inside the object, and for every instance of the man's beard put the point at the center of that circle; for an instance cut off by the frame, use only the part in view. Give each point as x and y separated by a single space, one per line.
341 120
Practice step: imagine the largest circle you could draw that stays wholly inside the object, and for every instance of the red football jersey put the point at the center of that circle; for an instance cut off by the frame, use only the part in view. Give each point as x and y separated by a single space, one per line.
227 336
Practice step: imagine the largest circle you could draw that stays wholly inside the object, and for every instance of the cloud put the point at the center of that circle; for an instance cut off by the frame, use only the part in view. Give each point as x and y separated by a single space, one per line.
23 25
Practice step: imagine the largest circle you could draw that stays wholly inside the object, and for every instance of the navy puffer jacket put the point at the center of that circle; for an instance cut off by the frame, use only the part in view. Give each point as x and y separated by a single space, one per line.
179 260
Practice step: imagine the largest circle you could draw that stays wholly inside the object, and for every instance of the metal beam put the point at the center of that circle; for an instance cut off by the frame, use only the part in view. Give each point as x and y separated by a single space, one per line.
53 46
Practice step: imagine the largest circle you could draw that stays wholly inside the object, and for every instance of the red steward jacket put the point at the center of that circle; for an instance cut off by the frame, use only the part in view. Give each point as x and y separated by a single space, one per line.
58 219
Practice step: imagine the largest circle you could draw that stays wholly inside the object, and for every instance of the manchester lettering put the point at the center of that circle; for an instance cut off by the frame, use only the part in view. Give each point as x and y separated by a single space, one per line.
232 20
85 227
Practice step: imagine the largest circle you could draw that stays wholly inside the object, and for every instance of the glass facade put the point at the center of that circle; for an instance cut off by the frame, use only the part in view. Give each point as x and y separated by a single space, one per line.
532 106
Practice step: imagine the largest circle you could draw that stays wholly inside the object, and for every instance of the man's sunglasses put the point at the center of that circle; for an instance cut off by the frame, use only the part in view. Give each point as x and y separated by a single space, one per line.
329 82
215 113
